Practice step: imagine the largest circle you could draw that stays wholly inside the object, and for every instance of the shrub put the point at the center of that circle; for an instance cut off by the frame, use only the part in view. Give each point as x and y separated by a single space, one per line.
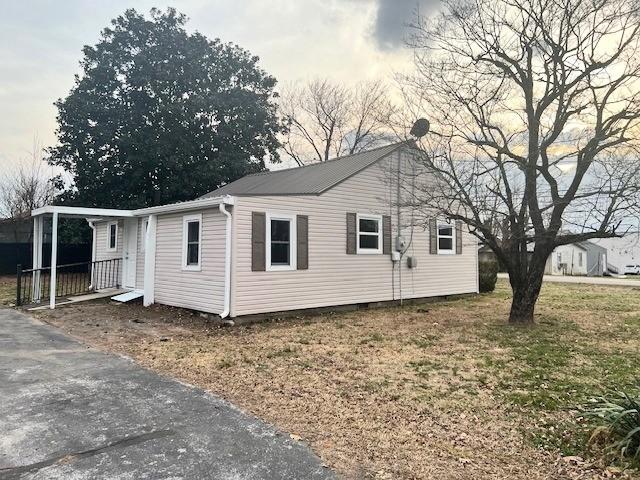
618 419
488 275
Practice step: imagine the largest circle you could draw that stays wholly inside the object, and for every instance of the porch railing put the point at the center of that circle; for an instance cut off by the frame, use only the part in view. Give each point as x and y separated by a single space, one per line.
34 284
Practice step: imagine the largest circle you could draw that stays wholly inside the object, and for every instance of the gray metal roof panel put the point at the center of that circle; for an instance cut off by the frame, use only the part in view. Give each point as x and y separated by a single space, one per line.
591 247
311 179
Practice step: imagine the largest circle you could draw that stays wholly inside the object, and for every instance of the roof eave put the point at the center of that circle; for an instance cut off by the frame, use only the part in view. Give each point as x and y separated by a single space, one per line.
186 206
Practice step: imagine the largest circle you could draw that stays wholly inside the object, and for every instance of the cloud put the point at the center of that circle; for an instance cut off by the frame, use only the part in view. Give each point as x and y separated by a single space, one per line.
393 18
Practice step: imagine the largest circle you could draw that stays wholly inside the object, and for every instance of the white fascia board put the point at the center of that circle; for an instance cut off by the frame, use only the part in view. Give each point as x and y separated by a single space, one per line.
185 206
81 211
88 212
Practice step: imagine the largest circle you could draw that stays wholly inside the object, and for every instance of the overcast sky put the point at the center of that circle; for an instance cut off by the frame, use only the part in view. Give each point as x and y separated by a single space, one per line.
41 43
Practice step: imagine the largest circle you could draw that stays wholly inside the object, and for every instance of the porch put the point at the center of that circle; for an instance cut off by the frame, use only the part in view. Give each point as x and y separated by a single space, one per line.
66 283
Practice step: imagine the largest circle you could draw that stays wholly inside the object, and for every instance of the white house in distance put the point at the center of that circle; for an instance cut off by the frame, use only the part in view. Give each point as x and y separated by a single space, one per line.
623 253
581 258
316 236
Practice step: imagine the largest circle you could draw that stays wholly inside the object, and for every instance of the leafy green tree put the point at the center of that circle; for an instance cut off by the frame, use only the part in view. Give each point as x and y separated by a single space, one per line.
160 115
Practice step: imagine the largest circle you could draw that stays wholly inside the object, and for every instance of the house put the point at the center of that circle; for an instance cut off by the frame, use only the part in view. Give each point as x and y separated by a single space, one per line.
623 253
581 258
322 235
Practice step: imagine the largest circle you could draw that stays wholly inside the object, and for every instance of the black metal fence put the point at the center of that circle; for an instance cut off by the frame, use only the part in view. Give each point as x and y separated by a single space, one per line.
13 253
34 284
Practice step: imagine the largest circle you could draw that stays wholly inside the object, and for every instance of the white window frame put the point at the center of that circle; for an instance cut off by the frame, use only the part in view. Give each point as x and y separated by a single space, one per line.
446 251
368 251
109 247
185 232
293 254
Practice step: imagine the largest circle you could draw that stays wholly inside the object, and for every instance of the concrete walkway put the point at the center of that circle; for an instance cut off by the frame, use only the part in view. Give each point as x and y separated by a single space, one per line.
71 412
616 282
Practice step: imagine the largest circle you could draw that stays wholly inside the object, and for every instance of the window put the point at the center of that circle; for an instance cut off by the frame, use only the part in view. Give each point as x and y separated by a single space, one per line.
112 236
446 238
559 257
191 237
579 259
369 233
281 242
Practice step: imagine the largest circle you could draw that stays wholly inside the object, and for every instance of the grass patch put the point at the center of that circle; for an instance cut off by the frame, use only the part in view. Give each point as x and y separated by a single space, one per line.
405 392
7 289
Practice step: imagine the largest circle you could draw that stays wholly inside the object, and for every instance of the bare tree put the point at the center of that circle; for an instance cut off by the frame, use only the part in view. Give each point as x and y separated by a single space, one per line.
26 188
327 119
535 113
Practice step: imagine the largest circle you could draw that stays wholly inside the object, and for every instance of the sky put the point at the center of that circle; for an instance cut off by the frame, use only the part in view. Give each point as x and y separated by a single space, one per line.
41 44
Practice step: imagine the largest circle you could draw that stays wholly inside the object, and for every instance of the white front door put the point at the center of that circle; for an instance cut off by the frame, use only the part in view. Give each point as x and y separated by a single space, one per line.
130 253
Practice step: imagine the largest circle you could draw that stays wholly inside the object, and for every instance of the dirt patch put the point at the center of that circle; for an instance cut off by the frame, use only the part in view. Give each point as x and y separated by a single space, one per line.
444 391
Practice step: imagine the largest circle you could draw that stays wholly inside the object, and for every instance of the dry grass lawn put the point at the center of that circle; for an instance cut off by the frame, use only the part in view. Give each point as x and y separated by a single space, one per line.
7 289
445 390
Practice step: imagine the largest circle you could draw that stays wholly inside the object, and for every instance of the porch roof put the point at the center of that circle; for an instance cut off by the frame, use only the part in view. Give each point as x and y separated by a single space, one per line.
94 213
83 212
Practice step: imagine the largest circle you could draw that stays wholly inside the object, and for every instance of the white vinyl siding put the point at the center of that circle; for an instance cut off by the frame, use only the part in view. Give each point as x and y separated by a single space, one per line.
110 271
201 290
333 276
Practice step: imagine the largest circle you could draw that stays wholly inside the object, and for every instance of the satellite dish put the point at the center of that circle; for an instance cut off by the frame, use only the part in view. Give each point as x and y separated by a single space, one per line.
420 128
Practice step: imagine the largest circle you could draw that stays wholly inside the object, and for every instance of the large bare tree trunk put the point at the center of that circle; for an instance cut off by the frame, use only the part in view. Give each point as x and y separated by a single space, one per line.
523 303
526 283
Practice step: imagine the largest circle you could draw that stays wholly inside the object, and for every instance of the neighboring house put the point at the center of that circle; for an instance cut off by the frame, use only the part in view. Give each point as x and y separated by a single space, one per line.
316 236
623 253
581 258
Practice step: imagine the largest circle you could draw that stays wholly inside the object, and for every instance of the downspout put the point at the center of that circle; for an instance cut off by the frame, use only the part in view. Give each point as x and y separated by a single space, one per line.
93 249
227 263
399 225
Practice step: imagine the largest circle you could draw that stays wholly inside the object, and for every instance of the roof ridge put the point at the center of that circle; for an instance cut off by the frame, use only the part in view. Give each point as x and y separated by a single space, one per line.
335 159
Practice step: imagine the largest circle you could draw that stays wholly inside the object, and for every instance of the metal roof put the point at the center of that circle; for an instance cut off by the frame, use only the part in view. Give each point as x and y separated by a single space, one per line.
591 247
311 179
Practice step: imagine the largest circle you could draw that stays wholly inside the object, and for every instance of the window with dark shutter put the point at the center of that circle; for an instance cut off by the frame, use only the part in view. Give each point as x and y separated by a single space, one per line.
281 242
369 234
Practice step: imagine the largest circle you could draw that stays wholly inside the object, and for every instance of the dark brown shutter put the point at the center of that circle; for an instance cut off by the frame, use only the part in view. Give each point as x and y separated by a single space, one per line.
433 236
302 242
351 234
458 237
258 238
386 235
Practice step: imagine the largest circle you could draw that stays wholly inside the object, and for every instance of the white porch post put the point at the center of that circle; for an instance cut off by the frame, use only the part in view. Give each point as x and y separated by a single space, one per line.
94 246
54 260
36 264
150 261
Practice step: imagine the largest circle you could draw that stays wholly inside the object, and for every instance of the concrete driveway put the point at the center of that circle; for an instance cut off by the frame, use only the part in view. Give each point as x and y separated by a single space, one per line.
71 412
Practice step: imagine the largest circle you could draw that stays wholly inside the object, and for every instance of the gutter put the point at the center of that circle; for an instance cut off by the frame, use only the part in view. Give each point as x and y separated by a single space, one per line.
185 206
227 262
